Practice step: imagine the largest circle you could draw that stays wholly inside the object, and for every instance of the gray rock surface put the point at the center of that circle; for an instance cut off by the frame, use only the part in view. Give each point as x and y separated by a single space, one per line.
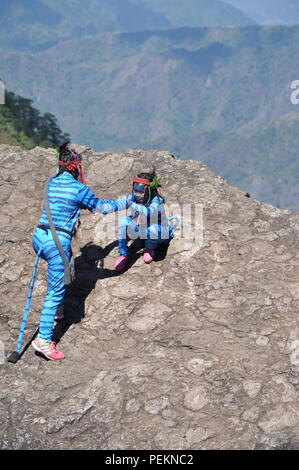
195 351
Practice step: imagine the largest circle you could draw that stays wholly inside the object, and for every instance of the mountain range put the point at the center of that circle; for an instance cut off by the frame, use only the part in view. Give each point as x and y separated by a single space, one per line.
47 22
274 12
219 95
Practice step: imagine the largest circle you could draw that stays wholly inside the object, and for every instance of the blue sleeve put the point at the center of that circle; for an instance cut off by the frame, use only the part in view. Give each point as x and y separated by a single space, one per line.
106 206
149 211
86 198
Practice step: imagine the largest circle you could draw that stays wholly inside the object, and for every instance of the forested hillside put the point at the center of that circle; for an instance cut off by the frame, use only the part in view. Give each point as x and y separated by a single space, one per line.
22 124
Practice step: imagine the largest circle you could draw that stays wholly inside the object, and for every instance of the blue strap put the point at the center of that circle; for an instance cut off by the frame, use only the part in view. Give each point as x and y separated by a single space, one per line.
28 301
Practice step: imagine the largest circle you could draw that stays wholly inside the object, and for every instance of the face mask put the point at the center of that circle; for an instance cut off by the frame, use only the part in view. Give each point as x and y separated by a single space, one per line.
138 196
139 191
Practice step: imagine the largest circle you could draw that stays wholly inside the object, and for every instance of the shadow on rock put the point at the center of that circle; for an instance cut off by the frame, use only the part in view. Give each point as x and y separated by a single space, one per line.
161 252
134 254
87 273
41 356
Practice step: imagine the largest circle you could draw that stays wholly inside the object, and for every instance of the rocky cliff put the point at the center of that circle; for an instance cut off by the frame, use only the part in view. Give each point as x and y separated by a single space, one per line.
196 351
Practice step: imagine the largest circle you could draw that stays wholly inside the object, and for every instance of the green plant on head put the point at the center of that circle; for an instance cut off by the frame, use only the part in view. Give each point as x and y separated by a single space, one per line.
155 183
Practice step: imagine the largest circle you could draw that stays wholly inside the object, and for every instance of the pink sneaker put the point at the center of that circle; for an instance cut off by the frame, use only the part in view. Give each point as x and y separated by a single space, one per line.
121 263
48 349
148 255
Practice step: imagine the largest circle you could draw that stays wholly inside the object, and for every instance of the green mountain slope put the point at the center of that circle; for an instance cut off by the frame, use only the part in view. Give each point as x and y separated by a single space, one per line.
21 124
275 12
218 95
47 22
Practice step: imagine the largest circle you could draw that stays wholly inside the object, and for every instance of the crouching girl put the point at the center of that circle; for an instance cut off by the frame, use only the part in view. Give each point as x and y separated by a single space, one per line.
145 219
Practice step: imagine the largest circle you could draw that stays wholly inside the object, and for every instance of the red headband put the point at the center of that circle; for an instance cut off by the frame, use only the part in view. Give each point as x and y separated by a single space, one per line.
72 165
142 181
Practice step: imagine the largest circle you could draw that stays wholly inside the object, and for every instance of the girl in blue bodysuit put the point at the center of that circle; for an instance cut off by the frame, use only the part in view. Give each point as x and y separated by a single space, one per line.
67 195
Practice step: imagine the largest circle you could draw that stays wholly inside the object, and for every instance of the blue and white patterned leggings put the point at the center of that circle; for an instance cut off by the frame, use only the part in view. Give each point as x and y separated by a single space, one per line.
56 289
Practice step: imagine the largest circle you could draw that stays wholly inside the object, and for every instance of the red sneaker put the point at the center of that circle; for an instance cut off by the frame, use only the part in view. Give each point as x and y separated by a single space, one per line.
121 263
148 255
48 349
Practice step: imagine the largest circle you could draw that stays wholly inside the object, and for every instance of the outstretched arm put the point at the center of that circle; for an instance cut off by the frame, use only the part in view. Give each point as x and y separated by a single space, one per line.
106 206
85 197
